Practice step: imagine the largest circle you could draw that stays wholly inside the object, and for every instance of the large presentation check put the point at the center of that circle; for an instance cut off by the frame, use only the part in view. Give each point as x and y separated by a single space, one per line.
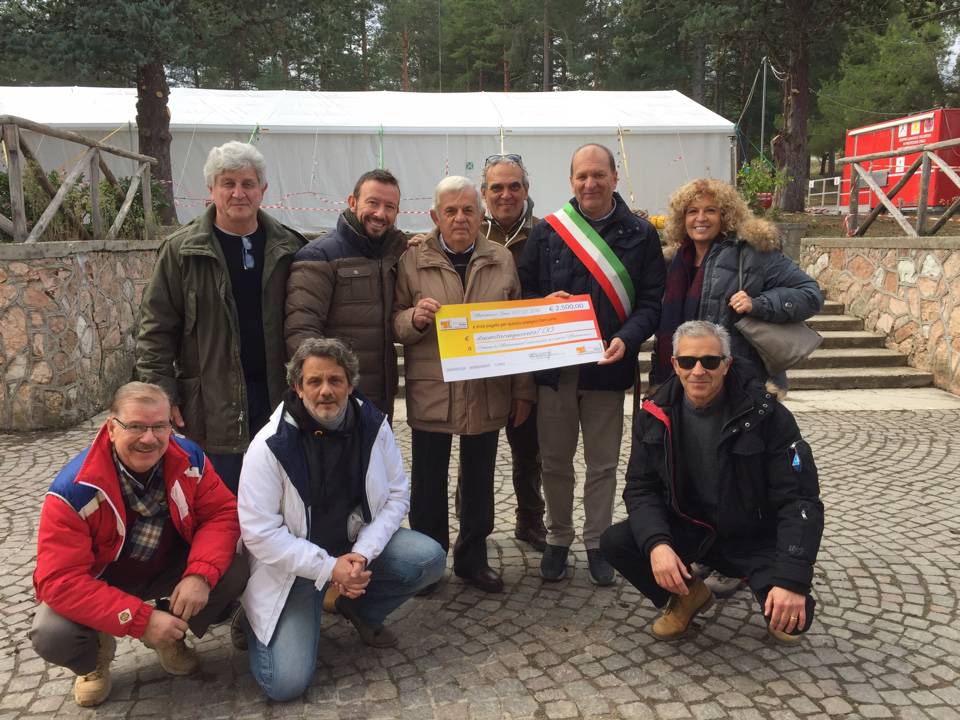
480 340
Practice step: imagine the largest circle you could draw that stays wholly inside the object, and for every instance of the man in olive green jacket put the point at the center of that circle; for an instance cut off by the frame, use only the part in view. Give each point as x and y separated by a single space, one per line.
211 330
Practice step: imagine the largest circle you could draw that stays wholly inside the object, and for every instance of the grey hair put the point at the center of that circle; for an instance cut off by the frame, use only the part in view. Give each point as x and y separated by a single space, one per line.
454 183
703 328
504 161
333 348
234 156
140 392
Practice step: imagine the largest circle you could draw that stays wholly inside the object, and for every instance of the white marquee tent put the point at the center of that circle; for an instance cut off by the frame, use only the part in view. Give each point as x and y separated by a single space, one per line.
317 143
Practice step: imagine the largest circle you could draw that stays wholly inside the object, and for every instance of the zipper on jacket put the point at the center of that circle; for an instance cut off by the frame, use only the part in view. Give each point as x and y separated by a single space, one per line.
671 471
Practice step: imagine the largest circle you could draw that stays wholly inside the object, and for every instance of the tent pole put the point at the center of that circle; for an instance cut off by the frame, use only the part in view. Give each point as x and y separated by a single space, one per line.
626 166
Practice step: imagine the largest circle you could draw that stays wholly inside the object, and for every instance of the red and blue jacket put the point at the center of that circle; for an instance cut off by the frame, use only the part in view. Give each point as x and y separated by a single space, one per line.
83 524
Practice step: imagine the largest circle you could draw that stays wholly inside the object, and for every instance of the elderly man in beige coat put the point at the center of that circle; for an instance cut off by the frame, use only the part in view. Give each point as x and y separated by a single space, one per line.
455 264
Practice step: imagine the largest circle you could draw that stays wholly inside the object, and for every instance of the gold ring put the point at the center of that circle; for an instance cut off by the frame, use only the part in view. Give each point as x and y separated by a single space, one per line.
793 617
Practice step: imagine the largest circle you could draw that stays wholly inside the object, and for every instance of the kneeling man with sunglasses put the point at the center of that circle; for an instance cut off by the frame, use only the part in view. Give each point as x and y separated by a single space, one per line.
720 475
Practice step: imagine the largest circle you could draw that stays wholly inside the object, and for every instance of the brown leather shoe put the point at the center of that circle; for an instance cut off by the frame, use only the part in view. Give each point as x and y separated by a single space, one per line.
378 637
486 579
535 536
783 638
680 610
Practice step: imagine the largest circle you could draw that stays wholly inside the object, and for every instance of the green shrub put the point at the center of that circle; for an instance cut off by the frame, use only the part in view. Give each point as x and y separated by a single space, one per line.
759 176
77 205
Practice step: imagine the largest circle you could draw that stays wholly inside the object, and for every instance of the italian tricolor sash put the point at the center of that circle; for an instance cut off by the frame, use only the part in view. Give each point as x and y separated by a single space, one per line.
593 251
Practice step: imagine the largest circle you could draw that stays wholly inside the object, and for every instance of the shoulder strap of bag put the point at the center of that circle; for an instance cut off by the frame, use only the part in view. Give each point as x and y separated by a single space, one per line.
594 252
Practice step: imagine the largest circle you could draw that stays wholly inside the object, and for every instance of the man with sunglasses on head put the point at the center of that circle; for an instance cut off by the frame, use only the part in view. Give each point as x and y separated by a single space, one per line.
718 474
508 221
137 538
211 329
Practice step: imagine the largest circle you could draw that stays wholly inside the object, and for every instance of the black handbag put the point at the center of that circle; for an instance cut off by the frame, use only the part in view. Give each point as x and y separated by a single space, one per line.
780 345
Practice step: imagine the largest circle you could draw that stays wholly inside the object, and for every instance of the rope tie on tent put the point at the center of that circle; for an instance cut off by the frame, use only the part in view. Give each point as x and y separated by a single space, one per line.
76 158
626 165
380 152
501 140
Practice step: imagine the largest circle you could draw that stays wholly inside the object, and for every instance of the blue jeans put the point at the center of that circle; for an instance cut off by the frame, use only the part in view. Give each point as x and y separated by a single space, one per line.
285 667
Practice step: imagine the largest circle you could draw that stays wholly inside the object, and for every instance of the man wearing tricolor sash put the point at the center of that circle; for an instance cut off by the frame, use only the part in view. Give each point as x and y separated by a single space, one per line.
594 245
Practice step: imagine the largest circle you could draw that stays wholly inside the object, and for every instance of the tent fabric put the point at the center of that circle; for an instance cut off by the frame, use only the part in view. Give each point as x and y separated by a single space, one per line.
317 143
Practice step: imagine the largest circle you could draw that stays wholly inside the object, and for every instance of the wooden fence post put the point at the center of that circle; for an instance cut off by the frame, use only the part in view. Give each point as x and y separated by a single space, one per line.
11 138
922 205
96 220
853 219
147 192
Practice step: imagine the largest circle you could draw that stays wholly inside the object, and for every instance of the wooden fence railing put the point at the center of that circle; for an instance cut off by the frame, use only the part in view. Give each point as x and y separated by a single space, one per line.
91 163
927 159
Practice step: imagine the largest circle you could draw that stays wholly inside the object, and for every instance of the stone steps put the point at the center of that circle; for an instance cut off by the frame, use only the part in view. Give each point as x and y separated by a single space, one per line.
852 357
858 378
832 307
835 322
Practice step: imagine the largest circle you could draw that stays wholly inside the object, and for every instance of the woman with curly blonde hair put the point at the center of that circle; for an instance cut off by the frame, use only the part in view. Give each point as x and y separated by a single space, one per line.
709 227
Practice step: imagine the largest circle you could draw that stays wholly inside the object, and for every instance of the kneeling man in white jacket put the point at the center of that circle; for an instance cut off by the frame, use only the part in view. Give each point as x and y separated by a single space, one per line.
322 495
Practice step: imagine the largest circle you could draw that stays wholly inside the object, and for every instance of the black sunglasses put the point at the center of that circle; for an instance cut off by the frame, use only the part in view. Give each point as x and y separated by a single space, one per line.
709 362
512 157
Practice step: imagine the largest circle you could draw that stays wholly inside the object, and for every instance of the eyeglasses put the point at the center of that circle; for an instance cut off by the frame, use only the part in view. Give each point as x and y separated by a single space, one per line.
159 429
709 362
249 261
511 157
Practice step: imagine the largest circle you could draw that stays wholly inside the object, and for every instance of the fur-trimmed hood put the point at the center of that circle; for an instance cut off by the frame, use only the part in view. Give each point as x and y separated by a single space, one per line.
761 234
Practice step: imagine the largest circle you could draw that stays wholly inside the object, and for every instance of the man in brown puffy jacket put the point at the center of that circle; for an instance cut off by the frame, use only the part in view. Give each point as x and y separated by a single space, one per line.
341 285
455 264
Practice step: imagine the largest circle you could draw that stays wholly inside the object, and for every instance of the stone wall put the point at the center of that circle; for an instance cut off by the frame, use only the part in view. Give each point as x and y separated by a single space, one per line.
905 288
68 314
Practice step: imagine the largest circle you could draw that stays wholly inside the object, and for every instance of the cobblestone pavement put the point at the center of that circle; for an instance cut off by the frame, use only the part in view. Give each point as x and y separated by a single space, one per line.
886 642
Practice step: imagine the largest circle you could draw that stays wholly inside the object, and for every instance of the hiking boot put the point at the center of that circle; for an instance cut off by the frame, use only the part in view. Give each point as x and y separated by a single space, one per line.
783 638
553 564
177 658
330 599
601 572
378 637
722 586
94 687
680 609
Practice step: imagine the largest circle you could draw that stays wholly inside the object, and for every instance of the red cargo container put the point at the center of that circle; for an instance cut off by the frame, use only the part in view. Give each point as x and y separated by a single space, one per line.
913 130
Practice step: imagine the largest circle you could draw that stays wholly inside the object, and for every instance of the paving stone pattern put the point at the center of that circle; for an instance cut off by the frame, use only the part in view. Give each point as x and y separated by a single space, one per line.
886 642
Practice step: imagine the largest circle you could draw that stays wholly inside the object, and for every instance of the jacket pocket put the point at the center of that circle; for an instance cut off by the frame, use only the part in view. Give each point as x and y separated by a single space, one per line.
747 455
428 400
188 362
498 397
354 284
191 407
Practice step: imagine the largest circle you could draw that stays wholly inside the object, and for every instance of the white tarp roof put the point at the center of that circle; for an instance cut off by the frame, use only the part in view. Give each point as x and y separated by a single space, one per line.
317 143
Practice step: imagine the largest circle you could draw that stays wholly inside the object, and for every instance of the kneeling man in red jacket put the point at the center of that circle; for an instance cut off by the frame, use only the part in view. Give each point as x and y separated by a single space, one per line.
140 515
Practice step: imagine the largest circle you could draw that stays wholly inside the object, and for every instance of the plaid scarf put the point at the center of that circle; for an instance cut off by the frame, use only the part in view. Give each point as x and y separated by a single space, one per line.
149 500
681 301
